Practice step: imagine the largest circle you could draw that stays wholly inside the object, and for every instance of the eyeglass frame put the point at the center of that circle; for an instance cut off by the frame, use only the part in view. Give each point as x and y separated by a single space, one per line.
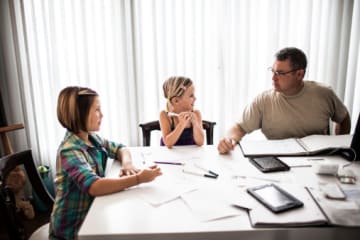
277 73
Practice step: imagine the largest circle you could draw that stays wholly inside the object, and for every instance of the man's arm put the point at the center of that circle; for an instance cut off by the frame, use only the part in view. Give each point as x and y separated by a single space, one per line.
344 126
236 133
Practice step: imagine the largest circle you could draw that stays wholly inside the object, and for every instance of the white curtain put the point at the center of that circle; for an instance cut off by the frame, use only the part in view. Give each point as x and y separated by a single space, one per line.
352 68
226 46
125 49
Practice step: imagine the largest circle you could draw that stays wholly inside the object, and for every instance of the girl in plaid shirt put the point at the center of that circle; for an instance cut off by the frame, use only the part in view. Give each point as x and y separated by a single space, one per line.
81 161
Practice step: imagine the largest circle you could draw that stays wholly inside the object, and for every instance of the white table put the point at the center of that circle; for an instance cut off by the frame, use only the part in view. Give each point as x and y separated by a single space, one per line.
127 215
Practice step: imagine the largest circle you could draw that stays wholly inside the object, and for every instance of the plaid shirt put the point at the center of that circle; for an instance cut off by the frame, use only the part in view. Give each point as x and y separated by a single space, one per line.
77 167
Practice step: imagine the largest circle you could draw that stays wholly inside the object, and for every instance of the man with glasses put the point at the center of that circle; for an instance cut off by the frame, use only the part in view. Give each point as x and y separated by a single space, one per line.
293 108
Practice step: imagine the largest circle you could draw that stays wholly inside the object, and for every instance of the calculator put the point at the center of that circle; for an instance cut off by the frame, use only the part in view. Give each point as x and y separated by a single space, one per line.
269 164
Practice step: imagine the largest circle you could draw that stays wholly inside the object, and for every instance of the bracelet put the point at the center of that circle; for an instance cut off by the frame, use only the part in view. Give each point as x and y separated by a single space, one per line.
137 179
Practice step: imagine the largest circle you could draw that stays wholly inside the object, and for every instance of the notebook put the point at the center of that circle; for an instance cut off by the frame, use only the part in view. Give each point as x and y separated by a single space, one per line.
346 145
309 145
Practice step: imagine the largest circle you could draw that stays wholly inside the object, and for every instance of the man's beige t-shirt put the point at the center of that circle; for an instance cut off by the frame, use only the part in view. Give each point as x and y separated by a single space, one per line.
279 116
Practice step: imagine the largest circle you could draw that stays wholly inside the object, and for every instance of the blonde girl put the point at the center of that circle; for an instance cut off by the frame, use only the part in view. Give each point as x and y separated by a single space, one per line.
180 124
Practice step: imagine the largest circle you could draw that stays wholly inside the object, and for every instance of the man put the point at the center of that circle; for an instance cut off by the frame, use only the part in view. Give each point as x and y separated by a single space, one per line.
293 108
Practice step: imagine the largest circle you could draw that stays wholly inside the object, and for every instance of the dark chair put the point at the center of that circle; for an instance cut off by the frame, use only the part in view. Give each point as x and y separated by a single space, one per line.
16 225
155 125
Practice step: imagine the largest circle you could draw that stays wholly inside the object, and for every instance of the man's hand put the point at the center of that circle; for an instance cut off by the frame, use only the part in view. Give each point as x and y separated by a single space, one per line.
226 145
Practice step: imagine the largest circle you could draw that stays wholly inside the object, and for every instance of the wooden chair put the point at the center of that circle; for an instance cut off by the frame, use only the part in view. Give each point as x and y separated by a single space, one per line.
5 138
148 127
18 227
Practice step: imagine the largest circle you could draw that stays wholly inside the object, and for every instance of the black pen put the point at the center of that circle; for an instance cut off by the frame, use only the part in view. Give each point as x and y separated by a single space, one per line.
200 174
206 170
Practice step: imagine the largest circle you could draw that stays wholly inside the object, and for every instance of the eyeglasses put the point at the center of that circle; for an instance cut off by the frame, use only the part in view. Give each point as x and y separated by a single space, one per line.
276 73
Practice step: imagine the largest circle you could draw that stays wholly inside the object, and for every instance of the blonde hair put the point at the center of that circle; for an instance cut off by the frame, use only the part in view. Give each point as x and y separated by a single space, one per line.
175 87
73 107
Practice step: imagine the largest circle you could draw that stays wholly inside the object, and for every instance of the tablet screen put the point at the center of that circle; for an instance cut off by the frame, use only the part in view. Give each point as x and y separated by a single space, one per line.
269 164
273 196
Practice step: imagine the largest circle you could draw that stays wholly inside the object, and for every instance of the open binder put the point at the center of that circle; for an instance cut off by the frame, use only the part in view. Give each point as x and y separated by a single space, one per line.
308 215
309 145
315 212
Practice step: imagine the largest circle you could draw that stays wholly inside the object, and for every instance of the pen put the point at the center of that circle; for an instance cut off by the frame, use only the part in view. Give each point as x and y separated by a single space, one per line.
314 159
172 114
206 170
199 174
258 178
296 166
171 163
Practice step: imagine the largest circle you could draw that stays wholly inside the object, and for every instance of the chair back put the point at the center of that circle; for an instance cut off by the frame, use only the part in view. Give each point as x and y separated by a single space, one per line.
148 127
18 227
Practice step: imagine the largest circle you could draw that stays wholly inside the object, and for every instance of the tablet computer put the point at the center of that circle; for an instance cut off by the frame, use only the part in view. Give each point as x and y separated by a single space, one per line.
269 164
274 198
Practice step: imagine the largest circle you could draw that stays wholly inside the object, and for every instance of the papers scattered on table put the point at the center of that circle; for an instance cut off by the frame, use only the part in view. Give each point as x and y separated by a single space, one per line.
243 200
214 208
176 154
253 179
158 194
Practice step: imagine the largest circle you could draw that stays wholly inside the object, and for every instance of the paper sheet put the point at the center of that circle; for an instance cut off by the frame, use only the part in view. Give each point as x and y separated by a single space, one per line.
215 208
158 194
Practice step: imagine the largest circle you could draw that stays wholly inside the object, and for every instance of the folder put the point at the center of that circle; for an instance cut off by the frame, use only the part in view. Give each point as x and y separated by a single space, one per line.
306 146
316 211
308 215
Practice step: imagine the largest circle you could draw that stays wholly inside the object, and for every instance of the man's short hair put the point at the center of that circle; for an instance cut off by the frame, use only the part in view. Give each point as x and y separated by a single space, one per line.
296 57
